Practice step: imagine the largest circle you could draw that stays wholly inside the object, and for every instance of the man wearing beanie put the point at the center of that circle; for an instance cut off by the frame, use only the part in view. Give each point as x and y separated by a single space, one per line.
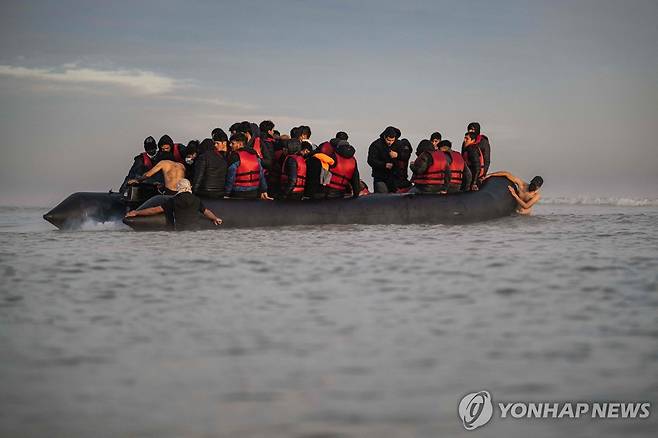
142 162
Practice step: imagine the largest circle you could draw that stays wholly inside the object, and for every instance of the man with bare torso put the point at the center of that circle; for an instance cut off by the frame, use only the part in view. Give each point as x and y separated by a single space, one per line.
173 172
526 195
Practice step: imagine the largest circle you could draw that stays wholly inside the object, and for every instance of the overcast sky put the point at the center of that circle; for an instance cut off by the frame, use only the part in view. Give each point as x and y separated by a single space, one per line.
564 89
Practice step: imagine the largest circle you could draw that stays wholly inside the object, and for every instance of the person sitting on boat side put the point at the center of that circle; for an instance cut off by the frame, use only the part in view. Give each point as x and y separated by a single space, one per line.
293 171
211 166
168 150
483 143
172 171
245 176
382 158
191 154
430 170
142 162
526 195
182 209
474 159
459 178
344 173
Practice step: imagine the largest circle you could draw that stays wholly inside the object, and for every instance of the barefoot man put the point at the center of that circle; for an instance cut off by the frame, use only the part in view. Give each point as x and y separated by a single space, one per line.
528 194
173 173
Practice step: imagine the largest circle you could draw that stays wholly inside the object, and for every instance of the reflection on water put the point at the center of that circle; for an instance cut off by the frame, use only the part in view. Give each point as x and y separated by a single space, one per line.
368 331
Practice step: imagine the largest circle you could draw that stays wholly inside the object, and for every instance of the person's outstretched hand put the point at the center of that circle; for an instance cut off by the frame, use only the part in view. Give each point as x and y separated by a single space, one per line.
217 221
265 197
131 213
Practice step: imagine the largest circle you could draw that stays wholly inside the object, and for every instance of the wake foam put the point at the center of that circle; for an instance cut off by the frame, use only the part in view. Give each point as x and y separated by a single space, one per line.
591 200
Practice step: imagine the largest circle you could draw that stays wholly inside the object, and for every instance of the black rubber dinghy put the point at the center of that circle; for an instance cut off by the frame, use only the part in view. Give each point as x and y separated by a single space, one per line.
492 201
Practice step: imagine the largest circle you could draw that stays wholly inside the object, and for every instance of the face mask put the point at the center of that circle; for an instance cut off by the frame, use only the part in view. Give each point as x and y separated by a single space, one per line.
189 160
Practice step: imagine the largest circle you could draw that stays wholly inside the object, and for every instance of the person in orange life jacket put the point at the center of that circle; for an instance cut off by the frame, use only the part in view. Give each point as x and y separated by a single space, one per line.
483 143
182 210
191 154
430 170
383 158
474 160
142 162
168 150
245 177
293 171
344 173
459 178
211 166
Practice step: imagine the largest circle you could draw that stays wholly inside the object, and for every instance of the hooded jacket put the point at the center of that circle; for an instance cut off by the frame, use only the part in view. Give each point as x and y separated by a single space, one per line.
378 157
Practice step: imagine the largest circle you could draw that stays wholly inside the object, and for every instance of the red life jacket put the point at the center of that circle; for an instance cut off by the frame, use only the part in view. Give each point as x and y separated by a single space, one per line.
257 147
435 173
341 172
301 173
456 168
248 172
148 163
480 157
176 151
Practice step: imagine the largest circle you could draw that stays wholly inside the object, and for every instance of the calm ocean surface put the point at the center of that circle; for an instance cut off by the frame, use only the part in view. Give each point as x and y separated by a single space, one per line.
350 331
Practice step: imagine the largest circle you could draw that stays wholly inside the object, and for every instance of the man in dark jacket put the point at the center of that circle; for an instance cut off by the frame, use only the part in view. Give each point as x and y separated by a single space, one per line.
142 162
473 156
267 141
385 156
483 143
210 167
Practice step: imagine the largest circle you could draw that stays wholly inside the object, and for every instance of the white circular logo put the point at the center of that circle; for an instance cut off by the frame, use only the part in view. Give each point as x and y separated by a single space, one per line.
475 409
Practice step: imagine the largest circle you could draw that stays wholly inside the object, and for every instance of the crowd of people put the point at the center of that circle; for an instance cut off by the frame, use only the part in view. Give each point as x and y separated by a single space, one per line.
256 161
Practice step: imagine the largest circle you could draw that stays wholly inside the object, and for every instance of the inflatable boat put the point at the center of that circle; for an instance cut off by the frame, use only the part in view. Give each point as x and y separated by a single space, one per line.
492 201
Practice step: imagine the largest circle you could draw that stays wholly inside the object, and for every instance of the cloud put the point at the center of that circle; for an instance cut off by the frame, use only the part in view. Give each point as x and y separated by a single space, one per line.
140 81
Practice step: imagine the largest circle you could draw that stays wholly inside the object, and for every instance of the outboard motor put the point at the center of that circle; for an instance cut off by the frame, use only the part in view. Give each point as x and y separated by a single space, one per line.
135 195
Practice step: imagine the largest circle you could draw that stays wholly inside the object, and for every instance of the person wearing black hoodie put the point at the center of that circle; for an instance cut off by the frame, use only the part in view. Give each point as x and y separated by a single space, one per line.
344 173
384 158
168 150
142 162
210 167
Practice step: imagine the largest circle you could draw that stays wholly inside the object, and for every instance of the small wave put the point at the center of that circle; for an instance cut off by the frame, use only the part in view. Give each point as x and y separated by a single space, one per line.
587 200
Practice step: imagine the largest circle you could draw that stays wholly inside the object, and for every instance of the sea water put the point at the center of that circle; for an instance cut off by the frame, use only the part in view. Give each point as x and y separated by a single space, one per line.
338 331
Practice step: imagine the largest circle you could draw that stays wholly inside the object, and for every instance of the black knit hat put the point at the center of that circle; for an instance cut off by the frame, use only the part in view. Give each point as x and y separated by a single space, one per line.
218 134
